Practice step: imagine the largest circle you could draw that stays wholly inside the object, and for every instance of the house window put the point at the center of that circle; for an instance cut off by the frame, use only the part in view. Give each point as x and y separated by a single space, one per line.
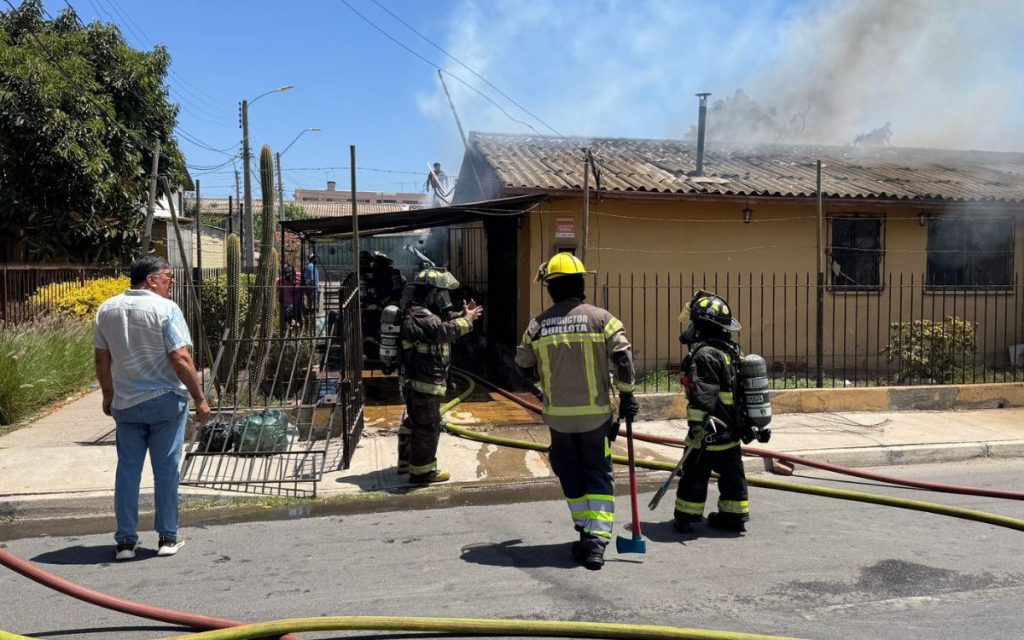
970 253
855 256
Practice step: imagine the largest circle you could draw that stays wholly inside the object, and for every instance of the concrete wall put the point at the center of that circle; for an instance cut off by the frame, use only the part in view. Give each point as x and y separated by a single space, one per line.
661 249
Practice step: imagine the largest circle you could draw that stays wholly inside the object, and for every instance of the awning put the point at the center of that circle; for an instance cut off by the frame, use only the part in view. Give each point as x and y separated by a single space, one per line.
340 227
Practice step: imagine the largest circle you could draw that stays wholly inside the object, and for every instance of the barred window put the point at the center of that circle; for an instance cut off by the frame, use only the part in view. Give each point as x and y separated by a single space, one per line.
855 255
969 253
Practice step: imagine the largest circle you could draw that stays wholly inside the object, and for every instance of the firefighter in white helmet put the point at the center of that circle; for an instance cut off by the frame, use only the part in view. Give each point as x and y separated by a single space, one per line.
573 345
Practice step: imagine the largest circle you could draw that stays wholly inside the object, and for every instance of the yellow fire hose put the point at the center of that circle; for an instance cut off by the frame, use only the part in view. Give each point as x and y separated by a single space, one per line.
475 626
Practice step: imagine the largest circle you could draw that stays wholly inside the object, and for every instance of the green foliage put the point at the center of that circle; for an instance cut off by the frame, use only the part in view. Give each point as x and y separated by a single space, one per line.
41 362
929 350
74 145
216 297
76 299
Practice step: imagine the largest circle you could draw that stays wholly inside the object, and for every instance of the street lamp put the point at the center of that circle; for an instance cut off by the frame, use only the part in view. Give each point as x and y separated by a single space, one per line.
248 242
280 184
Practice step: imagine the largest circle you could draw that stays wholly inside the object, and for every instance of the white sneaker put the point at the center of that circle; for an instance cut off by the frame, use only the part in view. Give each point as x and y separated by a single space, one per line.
169 546
125 551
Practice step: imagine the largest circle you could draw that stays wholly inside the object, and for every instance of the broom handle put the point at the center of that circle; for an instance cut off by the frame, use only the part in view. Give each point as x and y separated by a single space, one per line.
632 479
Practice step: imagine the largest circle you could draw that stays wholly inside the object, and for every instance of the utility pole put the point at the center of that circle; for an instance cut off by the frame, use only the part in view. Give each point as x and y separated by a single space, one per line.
199 232
147 235
240 208
355 248
820 333
586 203
248 241
465 142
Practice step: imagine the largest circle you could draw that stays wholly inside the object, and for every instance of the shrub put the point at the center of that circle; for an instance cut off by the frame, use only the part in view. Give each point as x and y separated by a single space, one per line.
41 362
929 350
76 299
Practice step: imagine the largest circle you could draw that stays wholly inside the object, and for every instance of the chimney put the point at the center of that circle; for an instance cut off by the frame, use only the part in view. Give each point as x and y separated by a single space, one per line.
331 184
702 118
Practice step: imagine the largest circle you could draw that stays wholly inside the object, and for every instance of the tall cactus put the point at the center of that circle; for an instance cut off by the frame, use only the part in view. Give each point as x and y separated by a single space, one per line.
233 264
268 267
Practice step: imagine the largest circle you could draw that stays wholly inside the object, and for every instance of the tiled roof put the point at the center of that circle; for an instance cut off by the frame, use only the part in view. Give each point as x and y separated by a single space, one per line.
648 165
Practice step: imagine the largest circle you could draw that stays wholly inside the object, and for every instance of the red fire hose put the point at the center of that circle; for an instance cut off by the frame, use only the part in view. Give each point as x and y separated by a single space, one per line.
767 453
190 620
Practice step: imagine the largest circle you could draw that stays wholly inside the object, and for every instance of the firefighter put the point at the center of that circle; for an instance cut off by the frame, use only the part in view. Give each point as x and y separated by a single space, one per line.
426 348
571 344
709 375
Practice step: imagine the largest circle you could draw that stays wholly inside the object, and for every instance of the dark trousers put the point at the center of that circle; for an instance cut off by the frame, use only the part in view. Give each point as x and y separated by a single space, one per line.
423 425
693 486
583 464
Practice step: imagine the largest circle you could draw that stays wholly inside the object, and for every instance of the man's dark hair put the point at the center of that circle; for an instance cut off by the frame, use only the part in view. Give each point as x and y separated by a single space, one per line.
564 287
146 266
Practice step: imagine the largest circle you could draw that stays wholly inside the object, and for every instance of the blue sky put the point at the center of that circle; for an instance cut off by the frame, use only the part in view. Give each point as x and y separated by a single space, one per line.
944 74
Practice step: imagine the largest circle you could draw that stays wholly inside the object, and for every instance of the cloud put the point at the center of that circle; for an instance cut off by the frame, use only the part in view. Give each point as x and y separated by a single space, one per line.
943 73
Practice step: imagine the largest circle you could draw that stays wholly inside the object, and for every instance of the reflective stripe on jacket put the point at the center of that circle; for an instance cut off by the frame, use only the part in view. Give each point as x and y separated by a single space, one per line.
571 344
427 350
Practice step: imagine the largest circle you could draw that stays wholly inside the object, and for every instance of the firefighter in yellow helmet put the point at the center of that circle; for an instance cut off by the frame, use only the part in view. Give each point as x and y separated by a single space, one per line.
573 345
709 375
425 361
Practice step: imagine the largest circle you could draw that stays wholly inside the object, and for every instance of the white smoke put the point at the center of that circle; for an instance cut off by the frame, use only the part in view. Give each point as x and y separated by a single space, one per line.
944 73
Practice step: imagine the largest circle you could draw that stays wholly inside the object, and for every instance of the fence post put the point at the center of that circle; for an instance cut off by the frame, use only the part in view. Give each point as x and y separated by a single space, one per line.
820 332
3 298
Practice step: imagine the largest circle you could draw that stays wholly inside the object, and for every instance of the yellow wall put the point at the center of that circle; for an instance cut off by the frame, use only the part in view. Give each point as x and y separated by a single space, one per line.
671 242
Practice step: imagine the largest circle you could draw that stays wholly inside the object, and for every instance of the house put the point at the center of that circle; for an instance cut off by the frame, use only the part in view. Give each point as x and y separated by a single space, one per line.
905 234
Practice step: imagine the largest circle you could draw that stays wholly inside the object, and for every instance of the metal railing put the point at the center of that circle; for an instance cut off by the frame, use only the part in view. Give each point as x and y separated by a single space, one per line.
286 409
866 338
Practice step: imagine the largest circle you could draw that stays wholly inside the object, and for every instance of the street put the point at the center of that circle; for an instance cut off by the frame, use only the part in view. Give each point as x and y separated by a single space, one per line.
808 567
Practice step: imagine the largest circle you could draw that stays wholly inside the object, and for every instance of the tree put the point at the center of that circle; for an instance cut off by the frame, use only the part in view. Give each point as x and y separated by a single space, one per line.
79 111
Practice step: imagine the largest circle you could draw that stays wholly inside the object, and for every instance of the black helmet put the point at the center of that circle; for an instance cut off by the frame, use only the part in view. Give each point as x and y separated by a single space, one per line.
709 308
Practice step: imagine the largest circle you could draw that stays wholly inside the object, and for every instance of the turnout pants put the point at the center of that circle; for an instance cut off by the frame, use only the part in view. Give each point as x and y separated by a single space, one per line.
583 464
732 485
419 433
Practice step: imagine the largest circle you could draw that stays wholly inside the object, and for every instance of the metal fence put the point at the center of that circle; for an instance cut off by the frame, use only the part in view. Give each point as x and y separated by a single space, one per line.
286 409
860 332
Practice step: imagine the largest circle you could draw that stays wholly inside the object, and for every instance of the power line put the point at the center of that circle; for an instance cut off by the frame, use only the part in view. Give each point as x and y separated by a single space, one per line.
439 67
466 67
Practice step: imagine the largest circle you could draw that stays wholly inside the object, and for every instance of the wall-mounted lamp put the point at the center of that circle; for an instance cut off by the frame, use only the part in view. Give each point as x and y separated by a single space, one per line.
748 214
923 220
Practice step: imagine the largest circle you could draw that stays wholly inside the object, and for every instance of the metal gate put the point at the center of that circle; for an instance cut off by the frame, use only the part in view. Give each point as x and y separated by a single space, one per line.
285 410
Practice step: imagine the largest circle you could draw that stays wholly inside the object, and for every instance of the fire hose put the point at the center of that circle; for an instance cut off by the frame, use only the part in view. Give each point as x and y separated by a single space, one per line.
777 455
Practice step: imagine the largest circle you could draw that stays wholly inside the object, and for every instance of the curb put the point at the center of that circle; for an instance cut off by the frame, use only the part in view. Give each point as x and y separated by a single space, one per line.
997 395
31 514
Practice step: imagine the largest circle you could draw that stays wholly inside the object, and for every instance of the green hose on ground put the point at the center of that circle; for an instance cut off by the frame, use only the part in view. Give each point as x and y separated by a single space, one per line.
475 626
825 492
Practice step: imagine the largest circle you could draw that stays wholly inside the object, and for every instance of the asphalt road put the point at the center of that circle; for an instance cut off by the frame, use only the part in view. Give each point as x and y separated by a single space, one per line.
808 567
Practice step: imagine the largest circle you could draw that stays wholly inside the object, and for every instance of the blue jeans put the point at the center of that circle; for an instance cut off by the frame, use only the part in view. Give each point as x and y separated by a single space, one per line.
157 426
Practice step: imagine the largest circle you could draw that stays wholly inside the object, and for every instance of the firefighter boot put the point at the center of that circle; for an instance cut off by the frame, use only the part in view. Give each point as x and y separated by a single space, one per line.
437 475
726 522
589 552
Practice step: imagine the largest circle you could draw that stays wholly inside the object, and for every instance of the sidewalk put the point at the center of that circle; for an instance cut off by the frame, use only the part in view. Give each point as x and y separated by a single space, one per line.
63 465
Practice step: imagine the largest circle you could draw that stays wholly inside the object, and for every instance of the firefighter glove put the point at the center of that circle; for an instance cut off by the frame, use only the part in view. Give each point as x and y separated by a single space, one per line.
628 406
613 430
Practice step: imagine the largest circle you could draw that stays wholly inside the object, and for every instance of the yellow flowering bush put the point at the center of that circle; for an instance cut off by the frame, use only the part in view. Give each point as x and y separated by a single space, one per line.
76 299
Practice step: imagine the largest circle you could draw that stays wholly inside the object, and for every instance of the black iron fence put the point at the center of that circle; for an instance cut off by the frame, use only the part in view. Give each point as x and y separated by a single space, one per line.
907 332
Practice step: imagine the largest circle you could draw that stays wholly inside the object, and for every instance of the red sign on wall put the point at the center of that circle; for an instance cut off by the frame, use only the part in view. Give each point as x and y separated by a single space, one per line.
565 228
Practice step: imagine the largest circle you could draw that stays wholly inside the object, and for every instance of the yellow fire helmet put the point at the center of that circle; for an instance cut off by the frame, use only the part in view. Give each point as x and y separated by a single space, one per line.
436 277
562 264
